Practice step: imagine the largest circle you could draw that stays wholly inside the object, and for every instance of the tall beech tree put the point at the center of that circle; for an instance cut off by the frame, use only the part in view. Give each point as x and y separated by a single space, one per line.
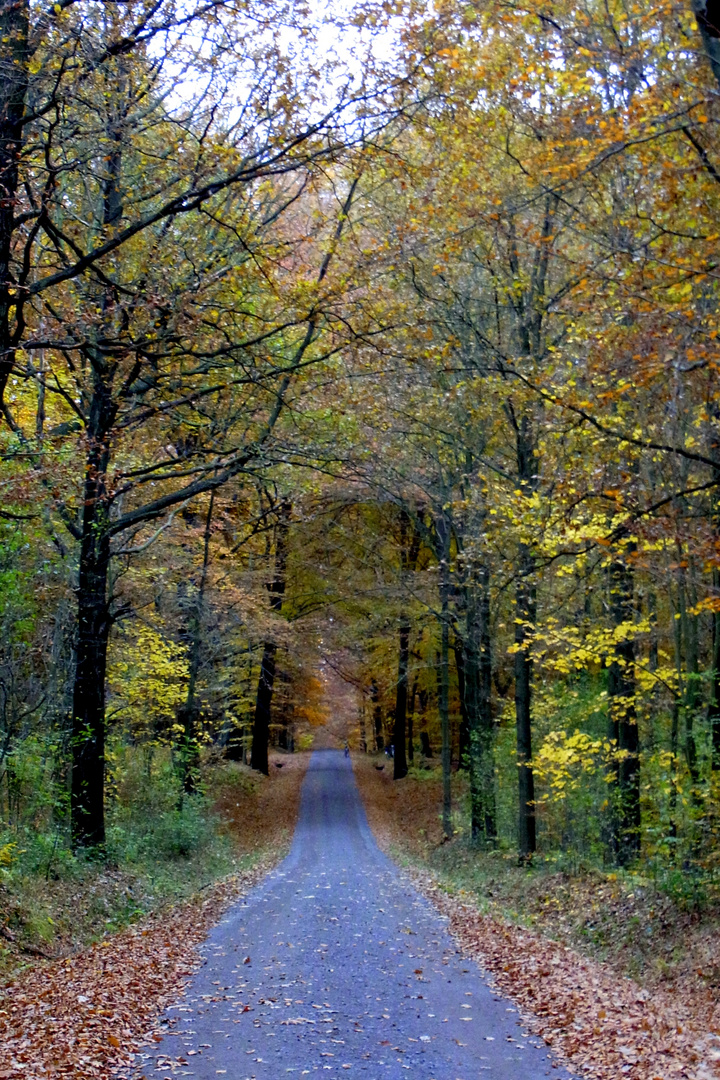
409 543
139 222
266 681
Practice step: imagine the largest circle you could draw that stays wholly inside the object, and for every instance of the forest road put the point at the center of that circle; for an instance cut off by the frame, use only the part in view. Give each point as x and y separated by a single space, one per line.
335 966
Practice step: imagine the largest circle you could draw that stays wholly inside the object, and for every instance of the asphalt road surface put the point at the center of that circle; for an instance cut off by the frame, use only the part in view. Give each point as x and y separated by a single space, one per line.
337 967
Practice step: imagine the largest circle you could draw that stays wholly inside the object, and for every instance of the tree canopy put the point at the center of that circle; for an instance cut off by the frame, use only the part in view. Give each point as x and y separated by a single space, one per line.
398 360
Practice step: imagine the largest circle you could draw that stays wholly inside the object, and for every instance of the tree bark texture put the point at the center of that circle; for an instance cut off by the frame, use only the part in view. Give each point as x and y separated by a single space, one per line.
478 690
409 550
377 714
266 682
401 701
87 806
190 712
524 629
625 802
444 681
714 709
464 733
707 14
87 799
410 726
14 59
263 709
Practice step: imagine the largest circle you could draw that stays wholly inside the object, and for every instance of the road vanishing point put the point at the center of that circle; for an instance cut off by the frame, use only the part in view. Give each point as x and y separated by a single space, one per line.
336 966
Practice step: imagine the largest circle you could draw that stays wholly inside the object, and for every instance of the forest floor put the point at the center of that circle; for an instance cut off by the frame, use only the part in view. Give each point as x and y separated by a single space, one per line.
618 978
84 1012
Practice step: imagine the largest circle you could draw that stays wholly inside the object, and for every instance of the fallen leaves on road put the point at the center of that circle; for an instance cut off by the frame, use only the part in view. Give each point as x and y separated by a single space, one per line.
598 1023
87 1014
84 1016
604 1025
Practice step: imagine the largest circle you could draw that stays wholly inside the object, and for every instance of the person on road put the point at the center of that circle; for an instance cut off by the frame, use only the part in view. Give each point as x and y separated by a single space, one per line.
347 749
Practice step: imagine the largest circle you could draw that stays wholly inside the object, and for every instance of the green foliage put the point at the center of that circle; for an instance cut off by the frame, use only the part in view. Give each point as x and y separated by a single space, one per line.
149 820
160 846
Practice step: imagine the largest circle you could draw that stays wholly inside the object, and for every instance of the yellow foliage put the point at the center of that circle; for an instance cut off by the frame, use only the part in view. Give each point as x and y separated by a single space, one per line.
148 676
8 854
565 759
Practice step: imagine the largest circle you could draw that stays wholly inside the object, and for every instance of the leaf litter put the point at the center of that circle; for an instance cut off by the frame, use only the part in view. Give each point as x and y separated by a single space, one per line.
597 1022
86 1015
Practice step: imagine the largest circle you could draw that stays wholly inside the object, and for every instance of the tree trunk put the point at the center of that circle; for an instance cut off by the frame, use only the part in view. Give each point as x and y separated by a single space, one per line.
478 666
87 807
693 696
263 707
524 629
714 708
361 720
401 701
444 692
87 800
409 550
14 59
266 682
411 718
189 714
377 715
464 734
707 16
525 616
625 814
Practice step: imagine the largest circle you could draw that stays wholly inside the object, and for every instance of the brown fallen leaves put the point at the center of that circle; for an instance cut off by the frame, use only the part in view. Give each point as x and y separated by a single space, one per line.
599 1023
87 1014
84 1016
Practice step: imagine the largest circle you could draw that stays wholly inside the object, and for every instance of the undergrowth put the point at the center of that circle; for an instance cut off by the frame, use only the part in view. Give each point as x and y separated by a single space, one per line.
162 845
657 922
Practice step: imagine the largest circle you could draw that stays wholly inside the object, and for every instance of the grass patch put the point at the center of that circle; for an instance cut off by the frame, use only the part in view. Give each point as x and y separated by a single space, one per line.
162 847
657 925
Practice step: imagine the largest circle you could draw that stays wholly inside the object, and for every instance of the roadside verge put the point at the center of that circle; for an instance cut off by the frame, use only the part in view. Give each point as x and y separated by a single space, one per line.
597 1022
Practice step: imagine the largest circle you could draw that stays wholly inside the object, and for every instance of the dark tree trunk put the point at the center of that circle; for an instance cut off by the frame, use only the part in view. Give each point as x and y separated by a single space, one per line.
675 729
361 719
687 595
409 550
263 708
425 747
87 800
14 58
478 667
377 715
401 701
525 616
444 679
189 714
87 786
87 805
625 824
707 17
714 708
693 696
524 630
411 718
463 691
266 682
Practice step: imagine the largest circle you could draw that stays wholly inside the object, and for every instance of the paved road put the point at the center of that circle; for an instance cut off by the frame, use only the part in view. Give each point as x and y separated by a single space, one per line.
350 972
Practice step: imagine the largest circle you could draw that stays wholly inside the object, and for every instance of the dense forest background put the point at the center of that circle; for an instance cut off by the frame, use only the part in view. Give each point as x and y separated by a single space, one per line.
398 361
